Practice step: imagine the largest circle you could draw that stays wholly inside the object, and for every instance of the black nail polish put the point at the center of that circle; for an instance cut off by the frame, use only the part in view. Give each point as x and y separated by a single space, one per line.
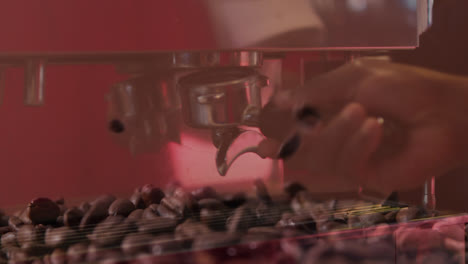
308 116
290 147
116 126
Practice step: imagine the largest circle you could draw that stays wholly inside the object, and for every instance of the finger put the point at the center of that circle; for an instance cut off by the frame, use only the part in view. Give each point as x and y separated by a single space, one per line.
269 148
358 150
321 145
339 130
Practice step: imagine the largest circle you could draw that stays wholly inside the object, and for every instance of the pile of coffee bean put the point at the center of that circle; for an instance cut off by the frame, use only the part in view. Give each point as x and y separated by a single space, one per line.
203 226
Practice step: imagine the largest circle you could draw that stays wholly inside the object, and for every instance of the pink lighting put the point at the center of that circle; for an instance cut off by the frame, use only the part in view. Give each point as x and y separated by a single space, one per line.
193 164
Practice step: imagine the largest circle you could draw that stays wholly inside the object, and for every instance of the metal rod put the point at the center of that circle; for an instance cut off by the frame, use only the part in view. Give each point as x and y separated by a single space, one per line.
34 75
429 198
2 83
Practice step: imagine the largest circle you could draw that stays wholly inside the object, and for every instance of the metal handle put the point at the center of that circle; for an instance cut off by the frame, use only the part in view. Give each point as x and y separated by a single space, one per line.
230 150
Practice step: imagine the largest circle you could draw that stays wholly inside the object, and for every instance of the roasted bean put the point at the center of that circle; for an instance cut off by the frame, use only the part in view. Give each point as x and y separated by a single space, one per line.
9 240
61 237
407 214
29 234
76 253
121 207
156 225
234 200
15 222
136 243
151 194
204 193
72 217
42 211
292 188
137 201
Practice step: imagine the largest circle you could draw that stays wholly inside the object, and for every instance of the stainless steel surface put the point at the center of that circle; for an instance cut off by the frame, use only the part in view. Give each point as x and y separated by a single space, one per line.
158 59
34 75
145 110
221 97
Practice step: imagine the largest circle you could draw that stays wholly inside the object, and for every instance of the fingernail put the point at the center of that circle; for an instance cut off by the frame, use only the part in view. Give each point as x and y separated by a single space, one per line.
308 116
352 112
290 147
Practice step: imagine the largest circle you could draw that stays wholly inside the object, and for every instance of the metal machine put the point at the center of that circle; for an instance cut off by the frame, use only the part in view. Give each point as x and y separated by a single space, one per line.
217 92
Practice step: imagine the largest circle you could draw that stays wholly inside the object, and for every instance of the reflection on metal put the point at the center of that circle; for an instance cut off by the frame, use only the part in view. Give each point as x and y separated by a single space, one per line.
221 97
34 75
143 113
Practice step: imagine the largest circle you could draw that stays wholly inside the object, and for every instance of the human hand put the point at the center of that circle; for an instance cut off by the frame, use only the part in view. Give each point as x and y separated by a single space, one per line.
422 134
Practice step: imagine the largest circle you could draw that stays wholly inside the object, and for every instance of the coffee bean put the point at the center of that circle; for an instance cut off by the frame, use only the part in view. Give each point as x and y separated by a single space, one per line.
72 217
234 200
94 215
76 253
136 243
214 240
113 257
371 219
262 192
167 244
42 211
84 207
18 256
210 203
9 240
303 202
407 214
214 218
301 222
243 218
15 222
390 217
204 193
137 200
95 253
151 194
29 234
191 229
4 220
5 229
60 201
111 231
151 212
270 232
61 237
135 215
121 207
58 256
104 200
63 208
292 188
35 250
156 225
172 207
267 214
